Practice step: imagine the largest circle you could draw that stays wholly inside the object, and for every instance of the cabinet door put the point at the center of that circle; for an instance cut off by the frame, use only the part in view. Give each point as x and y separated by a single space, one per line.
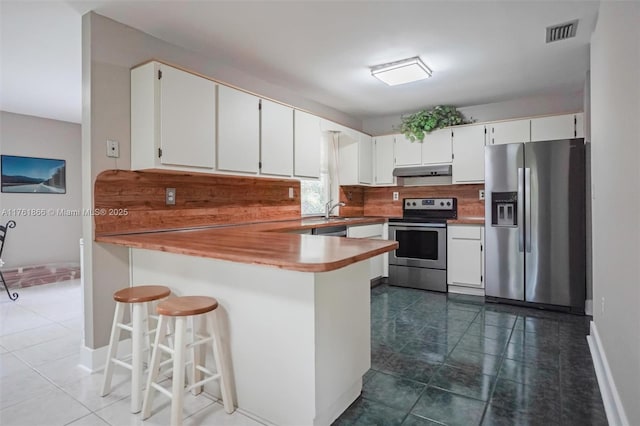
407 153
307 149
465 256
276 142
187 119
468 154
551 128
384 160
509 132
436 148
348 158
365 161
238 130
579 125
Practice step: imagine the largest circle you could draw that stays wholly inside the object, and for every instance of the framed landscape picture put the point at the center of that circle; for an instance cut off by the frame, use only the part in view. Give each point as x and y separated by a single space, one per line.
33 175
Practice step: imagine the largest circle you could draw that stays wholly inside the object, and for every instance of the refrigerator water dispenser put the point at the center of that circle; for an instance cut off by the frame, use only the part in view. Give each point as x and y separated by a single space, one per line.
504 209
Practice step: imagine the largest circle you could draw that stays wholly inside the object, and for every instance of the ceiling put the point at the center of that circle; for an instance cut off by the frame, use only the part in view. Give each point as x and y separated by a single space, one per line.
479 51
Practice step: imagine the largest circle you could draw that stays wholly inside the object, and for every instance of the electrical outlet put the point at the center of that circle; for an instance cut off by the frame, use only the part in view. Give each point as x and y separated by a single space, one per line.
395 195
602 306
113 149
290 192
170 196
481 194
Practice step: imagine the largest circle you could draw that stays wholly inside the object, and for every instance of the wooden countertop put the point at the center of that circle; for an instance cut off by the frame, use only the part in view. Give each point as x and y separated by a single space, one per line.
265 243
467 220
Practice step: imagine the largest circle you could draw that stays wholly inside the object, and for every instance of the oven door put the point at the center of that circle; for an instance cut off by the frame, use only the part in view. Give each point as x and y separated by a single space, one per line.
421 246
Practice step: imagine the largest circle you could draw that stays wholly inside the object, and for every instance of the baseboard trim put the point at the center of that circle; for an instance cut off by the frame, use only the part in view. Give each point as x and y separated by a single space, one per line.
458 289
93 360
610 396
588 307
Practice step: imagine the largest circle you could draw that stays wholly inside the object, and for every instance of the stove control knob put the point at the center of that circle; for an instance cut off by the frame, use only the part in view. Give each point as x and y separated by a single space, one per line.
448 203
441 203
414 204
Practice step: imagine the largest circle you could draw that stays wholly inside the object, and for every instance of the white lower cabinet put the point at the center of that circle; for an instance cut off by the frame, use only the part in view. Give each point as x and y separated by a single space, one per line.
377 232
465 259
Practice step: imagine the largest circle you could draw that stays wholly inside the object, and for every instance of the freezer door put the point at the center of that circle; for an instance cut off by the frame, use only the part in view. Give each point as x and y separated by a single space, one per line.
504 255
555 221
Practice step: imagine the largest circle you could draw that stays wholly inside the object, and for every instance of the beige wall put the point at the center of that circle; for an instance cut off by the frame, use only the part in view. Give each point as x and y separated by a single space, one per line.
615 136
39 240
520 107
110 50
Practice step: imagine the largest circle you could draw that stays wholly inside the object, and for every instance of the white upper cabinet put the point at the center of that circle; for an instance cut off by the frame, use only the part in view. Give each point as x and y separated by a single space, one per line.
554 127
436 148
383 160
365 160
173 118
468 154
407 153
307 148
509 132
238 130
277 139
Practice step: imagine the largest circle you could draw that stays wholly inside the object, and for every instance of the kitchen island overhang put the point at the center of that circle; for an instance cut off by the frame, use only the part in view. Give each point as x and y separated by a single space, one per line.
298 329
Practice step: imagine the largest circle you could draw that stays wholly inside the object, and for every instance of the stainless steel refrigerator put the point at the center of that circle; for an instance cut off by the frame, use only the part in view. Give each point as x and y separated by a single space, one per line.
535 223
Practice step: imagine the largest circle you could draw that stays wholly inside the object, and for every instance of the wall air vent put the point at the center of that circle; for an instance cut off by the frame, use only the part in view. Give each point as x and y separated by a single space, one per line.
562 31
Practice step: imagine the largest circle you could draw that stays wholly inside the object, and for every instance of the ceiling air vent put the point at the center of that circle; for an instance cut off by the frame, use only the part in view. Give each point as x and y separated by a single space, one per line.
562 31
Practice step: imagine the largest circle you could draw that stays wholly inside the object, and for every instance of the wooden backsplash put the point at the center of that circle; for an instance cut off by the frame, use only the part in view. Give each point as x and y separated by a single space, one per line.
378 201
201 199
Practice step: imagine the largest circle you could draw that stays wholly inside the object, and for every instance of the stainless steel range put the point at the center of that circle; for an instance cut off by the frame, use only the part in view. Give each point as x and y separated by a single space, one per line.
420 261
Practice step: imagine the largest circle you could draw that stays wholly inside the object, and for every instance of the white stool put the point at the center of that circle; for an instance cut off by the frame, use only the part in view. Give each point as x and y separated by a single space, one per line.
137 297
182 309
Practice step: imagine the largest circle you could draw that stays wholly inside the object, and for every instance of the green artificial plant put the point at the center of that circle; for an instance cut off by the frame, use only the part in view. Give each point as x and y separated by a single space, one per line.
415 126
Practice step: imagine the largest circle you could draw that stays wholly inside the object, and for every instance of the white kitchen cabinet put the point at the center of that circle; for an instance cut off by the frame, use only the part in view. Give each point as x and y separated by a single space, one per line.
365 159
468 154
512 131
436 148
407 153
553 127
579 125
306 145
465 256
173 118
383 160
276 141
376 231
238 131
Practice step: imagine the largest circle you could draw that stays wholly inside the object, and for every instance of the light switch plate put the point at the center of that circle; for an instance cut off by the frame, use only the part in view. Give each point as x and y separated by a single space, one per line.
170 196
113 149
290 192
395 195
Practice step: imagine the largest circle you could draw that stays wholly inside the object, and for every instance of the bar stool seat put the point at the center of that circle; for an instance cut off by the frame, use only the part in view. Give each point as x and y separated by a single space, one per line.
138 298
180 310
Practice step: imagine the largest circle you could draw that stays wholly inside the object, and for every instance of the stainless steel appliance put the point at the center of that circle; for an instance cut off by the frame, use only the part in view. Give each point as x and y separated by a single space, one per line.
535 223
420 261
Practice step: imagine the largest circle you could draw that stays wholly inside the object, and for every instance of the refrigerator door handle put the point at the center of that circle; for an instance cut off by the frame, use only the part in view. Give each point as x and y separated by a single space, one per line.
527 211
520 209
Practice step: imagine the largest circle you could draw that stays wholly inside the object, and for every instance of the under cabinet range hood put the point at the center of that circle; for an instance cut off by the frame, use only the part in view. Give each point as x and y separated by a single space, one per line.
422 171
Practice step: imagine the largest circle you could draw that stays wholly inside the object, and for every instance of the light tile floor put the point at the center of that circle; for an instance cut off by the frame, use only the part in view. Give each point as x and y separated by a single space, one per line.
41 383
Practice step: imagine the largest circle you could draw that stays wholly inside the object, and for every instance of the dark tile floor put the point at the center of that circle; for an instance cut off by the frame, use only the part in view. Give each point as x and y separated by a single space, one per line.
455 360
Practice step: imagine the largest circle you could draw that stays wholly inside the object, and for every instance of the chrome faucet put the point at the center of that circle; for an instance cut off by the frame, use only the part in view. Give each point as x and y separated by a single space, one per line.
328 208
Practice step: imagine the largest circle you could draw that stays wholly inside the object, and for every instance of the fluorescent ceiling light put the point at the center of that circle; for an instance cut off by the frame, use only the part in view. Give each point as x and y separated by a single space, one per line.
401 72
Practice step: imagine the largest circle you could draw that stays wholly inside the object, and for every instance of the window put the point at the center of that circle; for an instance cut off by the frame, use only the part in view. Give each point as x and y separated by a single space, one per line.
314 193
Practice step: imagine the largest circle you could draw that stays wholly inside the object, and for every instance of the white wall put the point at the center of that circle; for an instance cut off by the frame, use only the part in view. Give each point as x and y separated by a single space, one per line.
38 240
520 107
615 136
110 50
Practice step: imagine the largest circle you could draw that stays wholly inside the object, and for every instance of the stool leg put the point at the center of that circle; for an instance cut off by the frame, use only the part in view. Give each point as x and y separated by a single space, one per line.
219 355
137 324
178 371
154 368
113 348
195 375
